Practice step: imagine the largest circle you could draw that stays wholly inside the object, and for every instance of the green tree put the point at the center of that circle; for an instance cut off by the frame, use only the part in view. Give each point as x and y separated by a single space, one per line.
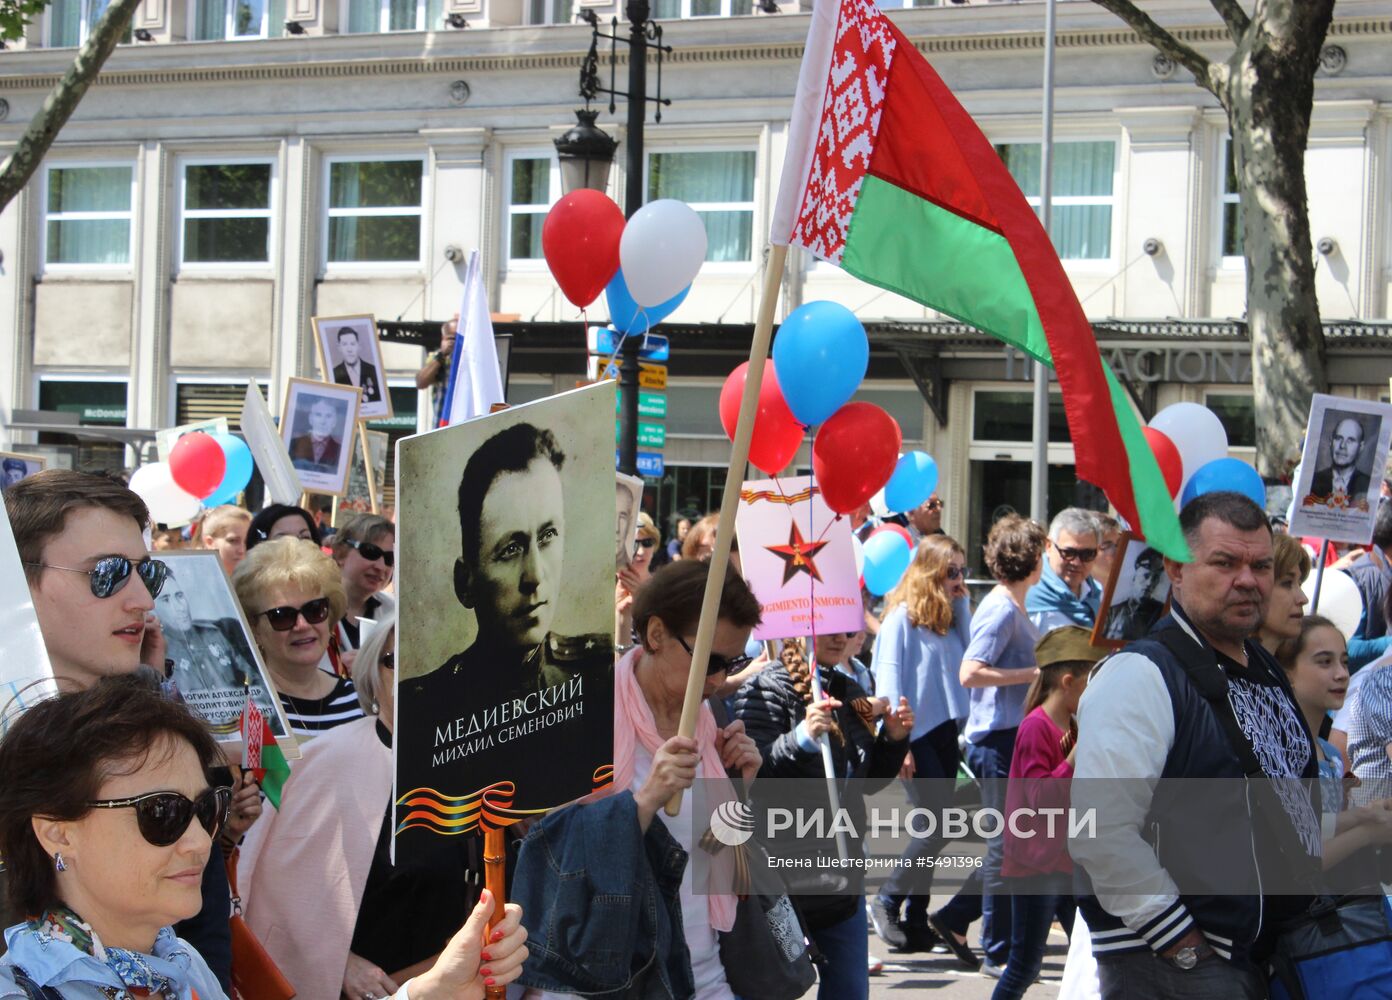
1266 85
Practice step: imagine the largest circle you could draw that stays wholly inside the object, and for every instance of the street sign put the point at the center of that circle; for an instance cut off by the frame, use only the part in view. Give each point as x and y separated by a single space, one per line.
650 404
650 464
652 376
649 435
595 364
605 340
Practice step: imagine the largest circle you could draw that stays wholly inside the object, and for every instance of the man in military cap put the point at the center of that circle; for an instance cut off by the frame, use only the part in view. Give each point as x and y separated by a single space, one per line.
1132 618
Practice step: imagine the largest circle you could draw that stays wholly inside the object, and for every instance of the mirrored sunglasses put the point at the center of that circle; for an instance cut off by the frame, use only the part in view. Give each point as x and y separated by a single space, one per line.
372 553
111 573
164 816
283 619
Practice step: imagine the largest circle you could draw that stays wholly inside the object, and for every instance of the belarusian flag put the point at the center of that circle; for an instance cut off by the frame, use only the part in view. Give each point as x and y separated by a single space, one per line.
888 176
261 754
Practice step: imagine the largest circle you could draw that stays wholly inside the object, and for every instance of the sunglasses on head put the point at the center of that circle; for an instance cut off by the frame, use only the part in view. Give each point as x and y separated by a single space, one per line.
372 552
164 816
283 619
111 573
1081 555
718 664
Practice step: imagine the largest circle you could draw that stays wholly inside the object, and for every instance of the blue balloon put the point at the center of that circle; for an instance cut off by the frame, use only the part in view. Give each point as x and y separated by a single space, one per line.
238 474
914 480
820 354
628 316
1225 474
887 556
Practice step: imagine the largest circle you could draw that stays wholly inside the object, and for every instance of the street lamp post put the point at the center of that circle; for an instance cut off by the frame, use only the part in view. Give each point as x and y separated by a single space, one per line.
643 34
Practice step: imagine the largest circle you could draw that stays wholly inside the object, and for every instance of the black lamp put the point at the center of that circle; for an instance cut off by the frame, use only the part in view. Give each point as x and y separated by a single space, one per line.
586 152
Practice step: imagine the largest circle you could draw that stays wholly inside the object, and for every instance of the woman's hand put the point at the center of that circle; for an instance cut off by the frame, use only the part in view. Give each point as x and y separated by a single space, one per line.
737 751
673 770
819 718
632 578
898 722
476 958
245 809
364 981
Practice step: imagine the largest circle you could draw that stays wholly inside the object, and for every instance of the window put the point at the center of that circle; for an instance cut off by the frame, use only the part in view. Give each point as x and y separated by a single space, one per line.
88 215
670 10
1237 413
375 211
1231 205
395 15
227 213
197 401
719 185
550 11
534 182
70 21
97 403
1009 416
215 20
1082 195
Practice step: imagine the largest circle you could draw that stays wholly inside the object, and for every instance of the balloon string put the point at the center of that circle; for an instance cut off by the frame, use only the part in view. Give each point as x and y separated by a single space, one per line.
812 580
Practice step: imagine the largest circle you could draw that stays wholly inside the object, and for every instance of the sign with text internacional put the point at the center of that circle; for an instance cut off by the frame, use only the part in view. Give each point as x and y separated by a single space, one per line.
505 659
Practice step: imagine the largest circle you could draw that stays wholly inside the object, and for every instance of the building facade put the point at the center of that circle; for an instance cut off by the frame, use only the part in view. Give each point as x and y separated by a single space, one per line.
243 165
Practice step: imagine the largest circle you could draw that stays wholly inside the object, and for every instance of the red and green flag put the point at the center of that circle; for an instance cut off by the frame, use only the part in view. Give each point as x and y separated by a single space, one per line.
888 177
261 754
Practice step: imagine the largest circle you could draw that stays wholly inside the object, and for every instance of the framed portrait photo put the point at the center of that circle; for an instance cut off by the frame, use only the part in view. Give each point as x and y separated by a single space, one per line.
1341 469
317 424
14 467
368 476
1137 594
350 354
209 641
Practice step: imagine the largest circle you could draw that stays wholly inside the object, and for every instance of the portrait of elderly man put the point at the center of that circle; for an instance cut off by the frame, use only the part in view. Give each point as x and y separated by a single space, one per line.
14 470
316 449
1144 601
354 369
1342 475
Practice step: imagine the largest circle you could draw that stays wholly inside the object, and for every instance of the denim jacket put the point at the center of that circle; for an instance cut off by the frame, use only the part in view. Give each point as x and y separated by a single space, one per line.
601 906
76 975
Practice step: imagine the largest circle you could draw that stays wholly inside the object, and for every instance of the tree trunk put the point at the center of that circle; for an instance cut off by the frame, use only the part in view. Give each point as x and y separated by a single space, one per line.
62 100
1268 95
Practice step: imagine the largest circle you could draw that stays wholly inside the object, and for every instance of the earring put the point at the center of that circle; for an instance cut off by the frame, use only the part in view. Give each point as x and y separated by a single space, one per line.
376 709
59 865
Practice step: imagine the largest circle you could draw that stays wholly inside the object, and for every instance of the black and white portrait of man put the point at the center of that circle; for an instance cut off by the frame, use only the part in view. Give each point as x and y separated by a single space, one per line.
1138 599
352 356
1346 473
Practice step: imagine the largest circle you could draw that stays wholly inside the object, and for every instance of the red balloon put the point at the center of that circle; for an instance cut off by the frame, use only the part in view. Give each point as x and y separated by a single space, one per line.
777 434
197 463
899 530
1168 457
854 454
580 239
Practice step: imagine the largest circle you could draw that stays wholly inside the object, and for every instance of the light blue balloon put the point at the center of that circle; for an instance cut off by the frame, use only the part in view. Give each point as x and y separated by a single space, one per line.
238 474
821 354
914 480
628 316
1225 474
887 556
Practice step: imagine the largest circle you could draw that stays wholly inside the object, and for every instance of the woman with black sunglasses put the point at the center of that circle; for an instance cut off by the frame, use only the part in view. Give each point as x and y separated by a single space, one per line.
365 550
108 814
292 593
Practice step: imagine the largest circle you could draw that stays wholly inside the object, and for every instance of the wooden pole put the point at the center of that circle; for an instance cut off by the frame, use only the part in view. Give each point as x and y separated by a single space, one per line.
1319 574
729 504
495 881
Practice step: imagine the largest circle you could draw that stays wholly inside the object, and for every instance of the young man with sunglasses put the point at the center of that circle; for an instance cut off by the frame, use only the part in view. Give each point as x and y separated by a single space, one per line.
81 539
1066 594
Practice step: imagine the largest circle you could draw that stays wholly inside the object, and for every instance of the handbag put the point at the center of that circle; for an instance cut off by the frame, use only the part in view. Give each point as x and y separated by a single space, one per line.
766 953
255 976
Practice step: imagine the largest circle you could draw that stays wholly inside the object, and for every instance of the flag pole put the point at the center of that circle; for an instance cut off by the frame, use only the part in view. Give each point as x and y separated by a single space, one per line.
729 504
1039 471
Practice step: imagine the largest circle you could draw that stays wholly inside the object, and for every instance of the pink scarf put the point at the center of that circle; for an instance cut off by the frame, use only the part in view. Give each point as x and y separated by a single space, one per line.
633 718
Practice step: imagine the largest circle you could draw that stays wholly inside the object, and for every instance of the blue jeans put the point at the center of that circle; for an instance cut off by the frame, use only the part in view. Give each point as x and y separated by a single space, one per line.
1033 908
845 975
990 759
935 758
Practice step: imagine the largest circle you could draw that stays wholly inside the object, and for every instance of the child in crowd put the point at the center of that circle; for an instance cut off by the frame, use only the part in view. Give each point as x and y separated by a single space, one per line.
1037 866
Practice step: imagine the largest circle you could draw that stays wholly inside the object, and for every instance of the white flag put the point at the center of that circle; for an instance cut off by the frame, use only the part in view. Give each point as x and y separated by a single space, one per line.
475 382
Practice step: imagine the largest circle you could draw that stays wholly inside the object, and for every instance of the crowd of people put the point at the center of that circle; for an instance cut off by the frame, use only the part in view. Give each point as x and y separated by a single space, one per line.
119 813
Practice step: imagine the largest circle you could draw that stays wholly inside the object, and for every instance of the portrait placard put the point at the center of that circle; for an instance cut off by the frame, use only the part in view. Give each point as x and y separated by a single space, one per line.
209 641
796 556
282 481
350 354
1341 467
368 475
317 425
1137 594
14 467
165 439
25 673
629 497
505 668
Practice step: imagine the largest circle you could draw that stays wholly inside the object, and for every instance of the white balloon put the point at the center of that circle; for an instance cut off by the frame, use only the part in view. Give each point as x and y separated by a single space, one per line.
662 250
878 507
1340 600
170 504
858 547
1196 431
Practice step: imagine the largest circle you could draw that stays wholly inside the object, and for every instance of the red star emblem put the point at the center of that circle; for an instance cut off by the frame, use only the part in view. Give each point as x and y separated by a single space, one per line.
797 555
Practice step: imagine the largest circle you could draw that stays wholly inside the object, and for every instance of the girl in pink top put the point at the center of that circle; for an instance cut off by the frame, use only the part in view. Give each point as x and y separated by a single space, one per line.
1036 844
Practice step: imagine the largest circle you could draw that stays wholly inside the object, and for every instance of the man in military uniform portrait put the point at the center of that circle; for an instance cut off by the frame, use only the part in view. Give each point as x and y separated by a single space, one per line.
1133 617
316 449
354 369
